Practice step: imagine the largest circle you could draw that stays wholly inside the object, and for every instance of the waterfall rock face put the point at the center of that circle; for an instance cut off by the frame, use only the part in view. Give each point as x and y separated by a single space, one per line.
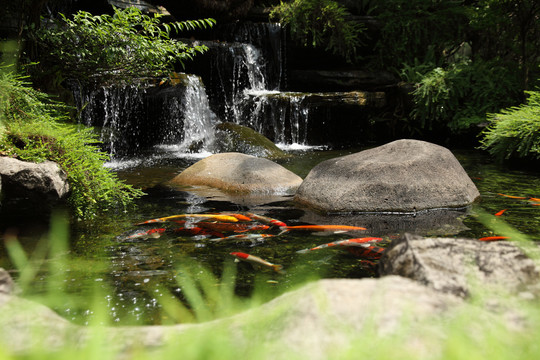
240 173
401 176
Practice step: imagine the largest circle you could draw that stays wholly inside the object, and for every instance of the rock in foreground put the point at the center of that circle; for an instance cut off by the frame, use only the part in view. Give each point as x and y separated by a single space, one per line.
453 265
401 176
240 173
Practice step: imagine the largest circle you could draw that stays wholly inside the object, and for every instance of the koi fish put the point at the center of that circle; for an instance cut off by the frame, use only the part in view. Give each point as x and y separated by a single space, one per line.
257 261
202 216
493 238
366 251
199 231
512 197
500 212
244 237
152 233
267 220
233 227
240 217
343 243
534 199
333 228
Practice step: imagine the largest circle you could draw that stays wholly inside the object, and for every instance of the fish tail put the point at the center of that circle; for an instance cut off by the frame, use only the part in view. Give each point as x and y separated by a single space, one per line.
303 251
278 268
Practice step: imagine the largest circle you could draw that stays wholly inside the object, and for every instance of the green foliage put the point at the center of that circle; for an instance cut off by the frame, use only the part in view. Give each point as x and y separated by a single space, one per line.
460 96
122 46
418 30
33 130
515 132
321 23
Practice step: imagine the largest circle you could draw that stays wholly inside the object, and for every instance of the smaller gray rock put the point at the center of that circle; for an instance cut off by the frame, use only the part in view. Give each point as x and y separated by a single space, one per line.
240 173
22 179
6 282
454 265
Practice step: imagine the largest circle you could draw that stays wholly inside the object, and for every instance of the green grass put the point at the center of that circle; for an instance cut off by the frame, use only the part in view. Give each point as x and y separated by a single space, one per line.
465 332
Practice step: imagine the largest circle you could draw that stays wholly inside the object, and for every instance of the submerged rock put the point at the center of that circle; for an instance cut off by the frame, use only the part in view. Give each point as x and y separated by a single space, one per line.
240 173
230 137
454 265
401 176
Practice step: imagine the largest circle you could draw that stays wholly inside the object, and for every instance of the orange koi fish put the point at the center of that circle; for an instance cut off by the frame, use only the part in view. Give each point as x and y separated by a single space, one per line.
343 243
534 199
366 251
240 217
200 216
335 228
244 237
493 238
500 212
512 197
267 220
257 261
233 227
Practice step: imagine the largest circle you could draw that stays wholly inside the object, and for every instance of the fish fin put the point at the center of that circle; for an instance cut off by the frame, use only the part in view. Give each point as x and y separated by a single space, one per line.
279 269
283 230
236 260
155 235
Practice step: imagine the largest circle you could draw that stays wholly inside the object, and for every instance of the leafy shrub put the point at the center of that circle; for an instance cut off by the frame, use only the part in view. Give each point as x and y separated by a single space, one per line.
125 45
461 95
33 130
418 29
515 132
321 23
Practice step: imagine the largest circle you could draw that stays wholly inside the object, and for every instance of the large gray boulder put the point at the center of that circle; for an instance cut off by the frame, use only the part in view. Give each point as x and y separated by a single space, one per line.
240 173
401 176
454 265
32 182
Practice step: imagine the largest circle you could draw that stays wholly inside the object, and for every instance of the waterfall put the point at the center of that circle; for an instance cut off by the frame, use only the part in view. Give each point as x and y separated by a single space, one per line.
198 119
132 118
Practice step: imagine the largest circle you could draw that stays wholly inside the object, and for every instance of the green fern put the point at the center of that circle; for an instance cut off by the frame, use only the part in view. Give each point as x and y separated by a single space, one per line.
34 129
515 132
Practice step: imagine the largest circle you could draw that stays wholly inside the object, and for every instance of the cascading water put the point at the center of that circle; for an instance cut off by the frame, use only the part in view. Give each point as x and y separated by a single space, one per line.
132 118
244 77
197 118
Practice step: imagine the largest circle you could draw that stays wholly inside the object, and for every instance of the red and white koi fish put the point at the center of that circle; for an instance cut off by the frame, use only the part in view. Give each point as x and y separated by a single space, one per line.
152 233
267 220
493 238
327 228
512 197
499 213
233 227
343 243
257 261
244 237
199 216
366 251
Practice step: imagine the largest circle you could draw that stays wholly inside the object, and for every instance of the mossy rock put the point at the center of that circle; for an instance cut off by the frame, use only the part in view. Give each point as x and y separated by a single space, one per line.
232 137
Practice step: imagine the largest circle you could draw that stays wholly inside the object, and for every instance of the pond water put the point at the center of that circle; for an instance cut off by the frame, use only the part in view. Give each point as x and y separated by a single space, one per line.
135 274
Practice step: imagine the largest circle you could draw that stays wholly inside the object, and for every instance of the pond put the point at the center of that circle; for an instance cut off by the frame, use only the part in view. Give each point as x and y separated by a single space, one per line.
135 274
